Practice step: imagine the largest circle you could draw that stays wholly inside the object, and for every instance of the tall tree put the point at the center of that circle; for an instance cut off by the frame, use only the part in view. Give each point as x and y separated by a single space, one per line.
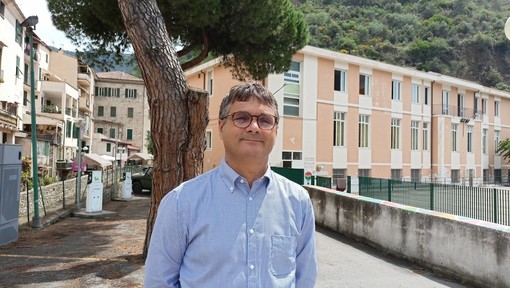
254 38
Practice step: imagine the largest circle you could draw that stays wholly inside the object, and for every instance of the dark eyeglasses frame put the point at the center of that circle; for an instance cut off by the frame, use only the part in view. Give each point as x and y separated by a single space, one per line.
251 120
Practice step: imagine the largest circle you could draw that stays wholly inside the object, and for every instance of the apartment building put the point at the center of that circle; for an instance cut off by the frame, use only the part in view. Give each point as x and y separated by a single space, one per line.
11 80
345 115
121 113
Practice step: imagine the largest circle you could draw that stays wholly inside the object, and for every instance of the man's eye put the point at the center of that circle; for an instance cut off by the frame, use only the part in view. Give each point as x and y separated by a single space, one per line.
266 119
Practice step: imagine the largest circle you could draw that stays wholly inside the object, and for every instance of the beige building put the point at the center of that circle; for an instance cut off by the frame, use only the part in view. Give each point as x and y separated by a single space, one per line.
121 113
345 115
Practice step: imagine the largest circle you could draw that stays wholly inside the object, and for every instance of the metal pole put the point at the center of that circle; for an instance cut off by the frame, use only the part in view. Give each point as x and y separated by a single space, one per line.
36 221
78 183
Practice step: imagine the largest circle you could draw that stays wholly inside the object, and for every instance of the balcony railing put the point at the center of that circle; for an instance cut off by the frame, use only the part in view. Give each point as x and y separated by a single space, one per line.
456 111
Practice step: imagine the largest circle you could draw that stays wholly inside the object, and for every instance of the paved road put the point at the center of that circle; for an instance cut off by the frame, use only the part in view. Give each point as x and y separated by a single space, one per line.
344 262
77 252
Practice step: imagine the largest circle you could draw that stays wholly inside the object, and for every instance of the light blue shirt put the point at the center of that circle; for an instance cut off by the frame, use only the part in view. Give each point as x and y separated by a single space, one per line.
214 231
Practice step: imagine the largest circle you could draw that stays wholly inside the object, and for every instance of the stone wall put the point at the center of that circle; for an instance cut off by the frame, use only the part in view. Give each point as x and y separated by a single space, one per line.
51 197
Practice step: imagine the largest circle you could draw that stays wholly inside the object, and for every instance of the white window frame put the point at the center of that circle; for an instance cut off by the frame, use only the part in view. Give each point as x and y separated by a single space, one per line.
396 90
469 138
291 99
415 94
340 84
496 108
339 129
364 84
484 140
210 82
415 135
395 133
208 140
454 137
496 141
364 131
425 136
445 102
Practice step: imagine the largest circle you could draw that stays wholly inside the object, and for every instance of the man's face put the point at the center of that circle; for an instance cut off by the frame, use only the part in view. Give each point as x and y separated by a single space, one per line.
252 141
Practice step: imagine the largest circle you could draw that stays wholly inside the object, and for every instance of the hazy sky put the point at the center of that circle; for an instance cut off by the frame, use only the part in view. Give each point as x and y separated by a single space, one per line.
45 29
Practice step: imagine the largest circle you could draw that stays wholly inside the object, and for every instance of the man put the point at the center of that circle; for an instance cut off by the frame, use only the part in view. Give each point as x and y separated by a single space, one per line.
240 224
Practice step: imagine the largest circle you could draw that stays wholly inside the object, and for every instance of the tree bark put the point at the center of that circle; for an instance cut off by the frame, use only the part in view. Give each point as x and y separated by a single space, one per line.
179 115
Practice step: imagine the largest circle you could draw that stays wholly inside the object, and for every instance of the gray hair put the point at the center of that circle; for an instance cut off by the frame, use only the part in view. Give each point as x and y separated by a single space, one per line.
245 92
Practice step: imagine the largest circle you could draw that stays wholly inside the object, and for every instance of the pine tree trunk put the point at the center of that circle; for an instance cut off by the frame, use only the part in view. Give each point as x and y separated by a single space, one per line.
179 114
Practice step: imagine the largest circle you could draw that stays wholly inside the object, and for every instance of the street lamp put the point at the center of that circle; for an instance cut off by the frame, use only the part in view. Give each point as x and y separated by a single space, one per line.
29 24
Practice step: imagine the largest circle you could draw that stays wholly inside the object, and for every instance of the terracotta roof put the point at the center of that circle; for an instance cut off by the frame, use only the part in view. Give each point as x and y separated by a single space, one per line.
117 75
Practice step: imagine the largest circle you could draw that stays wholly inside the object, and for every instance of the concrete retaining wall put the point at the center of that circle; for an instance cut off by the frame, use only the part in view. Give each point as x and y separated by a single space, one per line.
470 250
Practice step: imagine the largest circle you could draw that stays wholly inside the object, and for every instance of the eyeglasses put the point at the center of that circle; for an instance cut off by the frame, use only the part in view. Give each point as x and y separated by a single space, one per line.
243 119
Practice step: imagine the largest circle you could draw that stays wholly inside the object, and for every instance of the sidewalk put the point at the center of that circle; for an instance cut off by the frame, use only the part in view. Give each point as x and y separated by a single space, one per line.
80 252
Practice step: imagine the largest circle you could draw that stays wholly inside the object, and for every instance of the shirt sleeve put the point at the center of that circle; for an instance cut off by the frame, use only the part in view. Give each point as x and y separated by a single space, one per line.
306 259
167 245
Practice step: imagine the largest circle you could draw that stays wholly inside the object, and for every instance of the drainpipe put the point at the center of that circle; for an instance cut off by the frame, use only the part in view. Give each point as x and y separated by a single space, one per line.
431 126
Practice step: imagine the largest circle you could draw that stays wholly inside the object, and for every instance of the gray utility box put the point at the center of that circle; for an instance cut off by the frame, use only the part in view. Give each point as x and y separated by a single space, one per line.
10 185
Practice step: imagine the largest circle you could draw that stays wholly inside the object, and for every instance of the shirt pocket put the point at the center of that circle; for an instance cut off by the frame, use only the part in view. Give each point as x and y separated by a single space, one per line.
283 255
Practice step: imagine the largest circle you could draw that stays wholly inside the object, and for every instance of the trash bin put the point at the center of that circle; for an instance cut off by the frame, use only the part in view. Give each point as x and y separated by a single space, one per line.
10 185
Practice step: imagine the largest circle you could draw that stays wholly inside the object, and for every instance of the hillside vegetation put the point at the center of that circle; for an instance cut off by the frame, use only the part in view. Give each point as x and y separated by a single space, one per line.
461 38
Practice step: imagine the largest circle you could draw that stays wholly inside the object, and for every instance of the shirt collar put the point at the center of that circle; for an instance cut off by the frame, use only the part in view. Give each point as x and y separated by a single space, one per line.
229 176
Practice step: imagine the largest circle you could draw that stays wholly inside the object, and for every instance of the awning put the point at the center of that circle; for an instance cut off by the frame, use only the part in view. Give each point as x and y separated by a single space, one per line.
141 156
94 159
108 157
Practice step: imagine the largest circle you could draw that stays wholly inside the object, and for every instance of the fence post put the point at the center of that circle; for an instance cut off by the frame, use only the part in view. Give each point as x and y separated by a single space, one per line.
349 184
495 198
431 196
389 189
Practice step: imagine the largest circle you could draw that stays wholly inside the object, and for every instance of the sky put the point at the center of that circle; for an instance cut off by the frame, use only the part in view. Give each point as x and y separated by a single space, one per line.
45 29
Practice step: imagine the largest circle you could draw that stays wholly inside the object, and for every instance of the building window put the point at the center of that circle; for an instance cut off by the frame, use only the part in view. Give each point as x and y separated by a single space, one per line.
396 90
340 80
496 108
113 111
455 176
415 175
446 102
18 37
69 127
395 133
496 141
129 134
130 112
363 172
100 111
130 93
476 104
484 106
99 130
470 139
208 140
484 141
415 94
339 129
497 176
460 105
425 136
291 91
289 156
426 96
18 69
364 121
112 132
364 85
396 174
108 147
107 91
486 177
415 132
454 137
210 82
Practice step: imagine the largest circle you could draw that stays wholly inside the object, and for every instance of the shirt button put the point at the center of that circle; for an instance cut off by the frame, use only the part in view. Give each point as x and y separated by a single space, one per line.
252 267
251 231
231 188
242 181
250 198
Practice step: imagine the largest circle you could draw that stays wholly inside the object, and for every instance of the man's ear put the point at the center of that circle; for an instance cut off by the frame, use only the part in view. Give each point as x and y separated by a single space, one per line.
220 128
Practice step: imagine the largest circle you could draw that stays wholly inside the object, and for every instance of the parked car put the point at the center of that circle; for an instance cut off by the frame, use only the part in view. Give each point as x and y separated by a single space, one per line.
142 181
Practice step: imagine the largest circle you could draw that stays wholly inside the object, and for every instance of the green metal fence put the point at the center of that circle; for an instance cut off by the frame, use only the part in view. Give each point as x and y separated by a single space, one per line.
488 204
297 175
